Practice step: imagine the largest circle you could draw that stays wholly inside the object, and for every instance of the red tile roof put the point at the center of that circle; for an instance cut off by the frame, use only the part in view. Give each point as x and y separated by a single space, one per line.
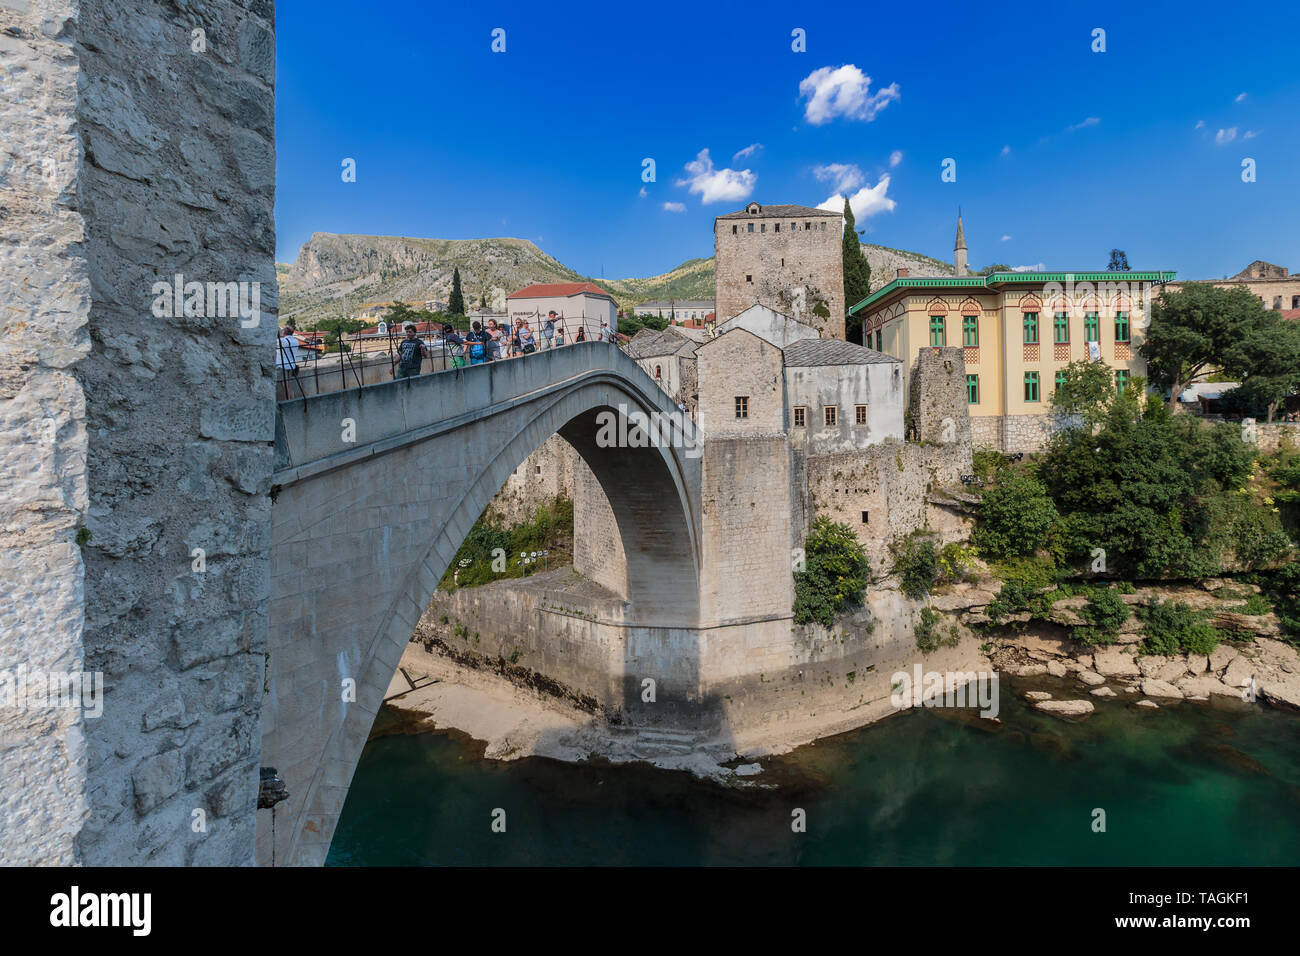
1291 313
551 289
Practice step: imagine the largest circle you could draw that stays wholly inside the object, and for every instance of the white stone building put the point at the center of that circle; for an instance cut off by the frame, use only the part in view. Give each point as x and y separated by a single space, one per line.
683 310
577 304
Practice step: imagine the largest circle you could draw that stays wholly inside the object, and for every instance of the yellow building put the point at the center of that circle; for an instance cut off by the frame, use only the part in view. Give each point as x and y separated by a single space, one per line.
1018 331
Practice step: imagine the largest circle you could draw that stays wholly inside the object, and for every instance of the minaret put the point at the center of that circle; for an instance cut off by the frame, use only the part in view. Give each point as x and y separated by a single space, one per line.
959 250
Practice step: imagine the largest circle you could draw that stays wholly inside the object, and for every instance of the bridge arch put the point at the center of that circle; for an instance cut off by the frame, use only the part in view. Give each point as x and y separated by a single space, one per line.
363 531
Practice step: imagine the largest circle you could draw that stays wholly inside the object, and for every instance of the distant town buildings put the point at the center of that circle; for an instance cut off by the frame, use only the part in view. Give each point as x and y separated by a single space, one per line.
1018 331
669 358
377 310
1275 286
786 257
681 310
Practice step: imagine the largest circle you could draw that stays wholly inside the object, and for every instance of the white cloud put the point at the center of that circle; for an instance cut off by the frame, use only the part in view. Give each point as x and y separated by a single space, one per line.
1006 238
717 185
643 192
843 91
1034 268
895 157
674 207
842 176
749 150
1225 136
1090 121
867 201
1240 97
1200 124
1006 150
1249 134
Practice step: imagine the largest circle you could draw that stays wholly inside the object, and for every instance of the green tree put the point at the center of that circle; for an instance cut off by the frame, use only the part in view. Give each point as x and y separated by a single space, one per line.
857 274
1086 393
1267 362
1118 261
1015 517
835 573
996 267
456 301
1192 330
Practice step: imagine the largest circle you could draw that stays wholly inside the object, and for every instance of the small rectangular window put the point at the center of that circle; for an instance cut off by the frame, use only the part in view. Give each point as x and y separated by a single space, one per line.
538 471
742 406
866 517
762 227
1295 301
972 389
1031 386
832 415
807 226
1121 379
1091 327
749 278
1031 328
1060 379
1121 327
970 330
938 330
800 416
860 414
751 226
1061 328
733 230
777 227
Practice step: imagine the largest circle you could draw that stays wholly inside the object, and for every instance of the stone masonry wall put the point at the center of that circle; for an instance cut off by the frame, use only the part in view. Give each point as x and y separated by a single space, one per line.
778 264
159 161
544 475
46 291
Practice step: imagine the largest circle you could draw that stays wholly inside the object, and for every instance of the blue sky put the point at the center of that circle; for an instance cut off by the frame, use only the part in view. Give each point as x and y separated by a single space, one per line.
1061 153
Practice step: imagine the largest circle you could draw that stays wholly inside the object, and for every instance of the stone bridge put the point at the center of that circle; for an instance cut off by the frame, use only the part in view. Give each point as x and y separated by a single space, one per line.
375 490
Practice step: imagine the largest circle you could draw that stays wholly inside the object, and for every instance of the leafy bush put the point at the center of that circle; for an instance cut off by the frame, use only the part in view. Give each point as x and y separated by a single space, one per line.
1105 613
1173 625
1015 517
916 562
550 528
955 562
835 574
1024 581
929 636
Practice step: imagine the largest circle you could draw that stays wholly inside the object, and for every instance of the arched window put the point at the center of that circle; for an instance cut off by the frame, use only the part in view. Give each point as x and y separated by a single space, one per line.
659 372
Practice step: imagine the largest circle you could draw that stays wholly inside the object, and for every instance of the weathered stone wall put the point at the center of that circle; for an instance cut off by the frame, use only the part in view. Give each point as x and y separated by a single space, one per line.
937 405
986 431
179 178
739 363
892 484
46 290
768 267
544 475
1271 437
146 152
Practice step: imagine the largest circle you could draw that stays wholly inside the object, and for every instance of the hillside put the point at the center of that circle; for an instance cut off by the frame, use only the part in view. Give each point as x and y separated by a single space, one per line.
334 275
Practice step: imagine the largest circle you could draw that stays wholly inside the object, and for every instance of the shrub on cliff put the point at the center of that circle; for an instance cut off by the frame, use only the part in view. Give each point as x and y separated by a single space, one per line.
835 574
1172 626
1105 613
917 564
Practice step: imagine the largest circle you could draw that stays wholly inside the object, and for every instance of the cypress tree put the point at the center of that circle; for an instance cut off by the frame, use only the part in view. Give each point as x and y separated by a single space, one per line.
857 275
456 301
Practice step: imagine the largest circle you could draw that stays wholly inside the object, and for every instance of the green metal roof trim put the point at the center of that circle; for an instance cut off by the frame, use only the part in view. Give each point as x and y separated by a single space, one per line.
1002 278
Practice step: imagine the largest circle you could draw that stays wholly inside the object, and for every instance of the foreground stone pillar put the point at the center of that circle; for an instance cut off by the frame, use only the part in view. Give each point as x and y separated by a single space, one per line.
135 438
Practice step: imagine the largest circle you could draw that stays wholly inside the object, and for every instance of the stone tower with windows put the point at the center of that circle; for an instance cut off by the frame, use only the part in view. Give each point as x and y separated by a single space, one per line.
788 258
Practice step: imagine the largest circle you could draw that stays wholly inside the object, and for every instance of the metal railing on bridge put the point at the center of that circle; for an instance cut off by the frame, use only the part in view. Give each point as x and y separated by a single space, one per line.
319 362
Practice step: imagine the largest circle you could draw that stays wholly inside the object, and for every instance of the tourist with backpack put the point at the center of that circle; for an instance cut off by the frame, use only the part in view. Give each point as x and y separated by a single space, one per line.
454 344
548 330
476 345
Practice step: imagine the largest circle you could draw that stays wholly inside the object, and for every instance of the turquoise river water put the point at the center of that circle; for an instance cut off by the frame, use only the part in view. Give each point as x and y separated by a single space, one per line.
1184 785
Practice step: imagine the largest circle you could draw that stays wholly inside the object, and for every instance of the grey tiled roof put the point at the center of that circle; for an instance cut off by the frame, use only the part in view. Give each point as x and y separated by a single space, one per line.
648 343
832 352
781 212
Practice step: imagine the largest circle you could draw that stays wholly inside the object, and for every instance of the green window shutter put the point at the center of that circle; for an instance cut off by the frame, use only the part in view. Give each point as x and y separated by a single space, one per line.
1031 386
1060 379
972 389
970 331
1061 326
1031 328
938 334
1091 328
1121 379
1121 327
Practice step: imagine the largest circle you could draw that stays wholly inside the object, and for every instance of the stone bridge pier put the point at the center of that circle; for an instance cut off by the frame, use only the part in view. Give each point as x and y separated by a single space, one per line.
376 489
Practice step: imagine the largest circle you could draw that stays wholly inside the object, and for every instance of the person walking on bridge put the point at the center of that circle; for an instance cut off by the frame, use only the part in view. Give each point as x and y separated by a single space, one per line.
410 353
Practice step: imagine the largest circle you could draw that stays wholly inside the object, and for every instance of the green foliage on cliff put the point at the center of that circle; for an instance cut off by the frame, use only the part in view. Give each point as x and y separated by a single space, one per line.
1172 626
1105 613
835 574
550 528
1015 517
